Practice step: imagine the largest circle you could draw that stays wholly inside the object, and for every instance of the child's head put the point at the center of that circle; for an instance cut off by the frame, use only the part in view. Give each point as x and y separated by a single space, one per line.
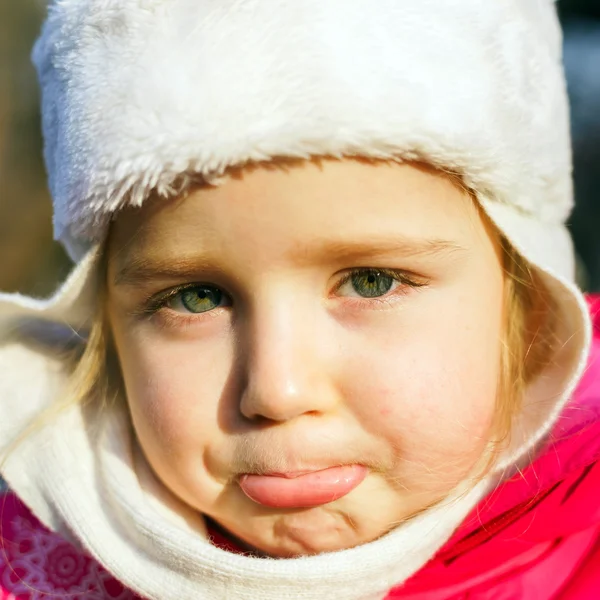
336 284
315 314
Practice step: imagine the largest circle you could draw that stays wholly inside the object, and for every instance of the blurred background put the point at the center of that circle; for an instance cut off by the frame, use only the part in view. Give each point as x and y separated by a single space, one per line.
31 262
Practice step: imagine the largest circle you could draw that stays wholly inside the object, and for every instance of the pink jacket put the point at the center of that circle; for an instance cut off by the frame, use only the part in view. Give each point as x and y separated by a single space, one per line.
537 537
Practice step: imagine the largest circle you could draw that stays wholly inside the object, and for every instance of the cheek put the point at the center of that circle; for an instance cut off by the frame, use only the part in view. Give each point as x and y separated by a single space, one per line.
174 391
431 387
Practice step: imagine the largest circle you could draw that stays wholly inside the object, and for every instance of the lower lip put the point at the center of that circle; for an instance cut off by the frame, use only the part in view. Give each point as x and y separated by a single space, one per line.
289 490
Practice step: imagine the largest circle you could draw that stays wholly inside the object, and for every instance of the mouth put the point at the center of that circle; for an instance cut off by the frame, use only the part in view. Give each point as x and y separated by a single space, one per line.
302 489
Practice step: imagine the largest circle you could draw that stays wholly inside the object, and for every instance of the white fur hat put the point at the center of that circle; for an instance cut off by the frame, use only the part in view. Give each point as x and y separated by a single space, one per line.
140 94
146 95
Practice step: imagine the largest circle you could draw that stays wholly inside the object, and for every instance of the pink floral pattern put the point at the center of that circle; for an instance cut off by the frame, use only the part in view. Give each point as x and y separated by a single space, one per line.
36 564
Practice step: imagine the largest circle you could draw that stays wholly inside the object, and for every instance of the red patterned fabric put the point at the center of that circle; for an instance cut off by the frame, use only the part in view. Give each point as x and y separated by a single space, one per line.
36 564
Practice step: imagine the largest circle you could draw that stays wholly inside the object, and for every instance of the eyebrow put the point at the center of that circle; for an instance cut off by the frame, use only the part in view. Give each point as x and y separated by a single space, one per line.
139 269
405 247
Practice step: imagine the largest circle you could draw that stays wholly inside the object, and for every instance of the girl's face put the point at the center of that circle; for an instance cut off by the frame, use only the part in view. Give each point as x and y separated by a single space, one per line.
310 352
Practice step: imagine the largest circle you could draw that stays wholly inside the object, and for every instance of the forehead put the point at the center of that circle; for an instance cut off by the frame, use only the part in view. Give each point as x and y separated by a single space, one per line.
279 208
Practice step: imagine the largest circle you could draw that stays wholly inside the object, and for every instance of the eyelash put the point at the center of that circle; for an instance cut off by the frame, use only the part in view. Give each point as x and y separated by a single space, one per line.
401 277
159 302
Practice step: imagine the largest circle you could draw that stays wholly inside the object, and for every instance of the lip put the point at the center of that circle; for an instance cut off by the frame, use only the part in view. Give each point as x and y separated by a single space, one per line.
293 474
302 489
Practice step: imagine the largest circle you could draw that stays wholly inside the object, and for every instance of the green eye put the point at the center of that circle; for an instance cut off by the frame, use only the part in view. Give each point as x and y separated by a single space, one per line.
198 299
371 283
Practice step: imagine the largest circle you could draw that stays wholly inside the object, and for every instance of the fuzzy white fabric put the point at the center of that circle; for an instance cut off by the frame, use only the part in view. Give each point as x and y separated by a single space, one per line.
82 473
142 95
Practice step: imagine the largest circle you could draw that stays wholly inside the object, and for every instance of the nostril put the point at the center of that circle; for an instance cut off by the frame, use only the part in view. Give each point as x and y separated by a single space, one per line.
260 412
312 413
260 420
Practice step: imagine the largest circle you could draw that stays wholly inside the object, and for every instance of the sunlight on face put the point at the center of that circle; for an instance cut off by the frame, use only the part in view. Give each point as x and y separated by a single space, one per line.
310 353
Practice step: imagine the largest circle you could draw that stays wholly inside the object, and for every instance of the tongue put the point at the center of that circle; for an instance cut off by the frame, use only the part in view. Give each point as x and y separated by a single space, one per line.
305 490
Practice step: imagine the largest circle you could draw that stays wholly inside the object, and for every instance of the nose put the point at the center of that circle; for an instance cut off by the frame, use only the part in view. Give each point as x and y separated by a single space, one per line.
288 364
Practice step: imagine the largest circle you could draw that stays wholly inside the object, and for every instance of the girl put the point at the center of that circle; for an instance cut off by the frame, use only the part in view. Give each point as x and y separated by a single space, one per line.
322 339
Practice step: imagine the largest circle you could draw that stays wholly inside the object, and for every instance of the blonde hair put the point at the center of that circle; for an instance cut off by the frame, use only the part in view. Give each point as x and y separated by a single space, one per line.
526 342
527 338
525 345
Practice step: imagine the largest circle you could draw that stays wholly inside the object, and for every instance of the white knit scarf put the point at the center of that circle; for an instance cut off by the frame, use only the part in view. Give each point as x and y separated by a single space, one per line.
83 475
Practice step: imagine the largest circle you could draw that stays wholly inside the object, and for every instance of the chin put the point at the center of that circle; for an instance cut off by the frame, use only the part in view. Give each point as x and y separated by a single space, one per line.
313 531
